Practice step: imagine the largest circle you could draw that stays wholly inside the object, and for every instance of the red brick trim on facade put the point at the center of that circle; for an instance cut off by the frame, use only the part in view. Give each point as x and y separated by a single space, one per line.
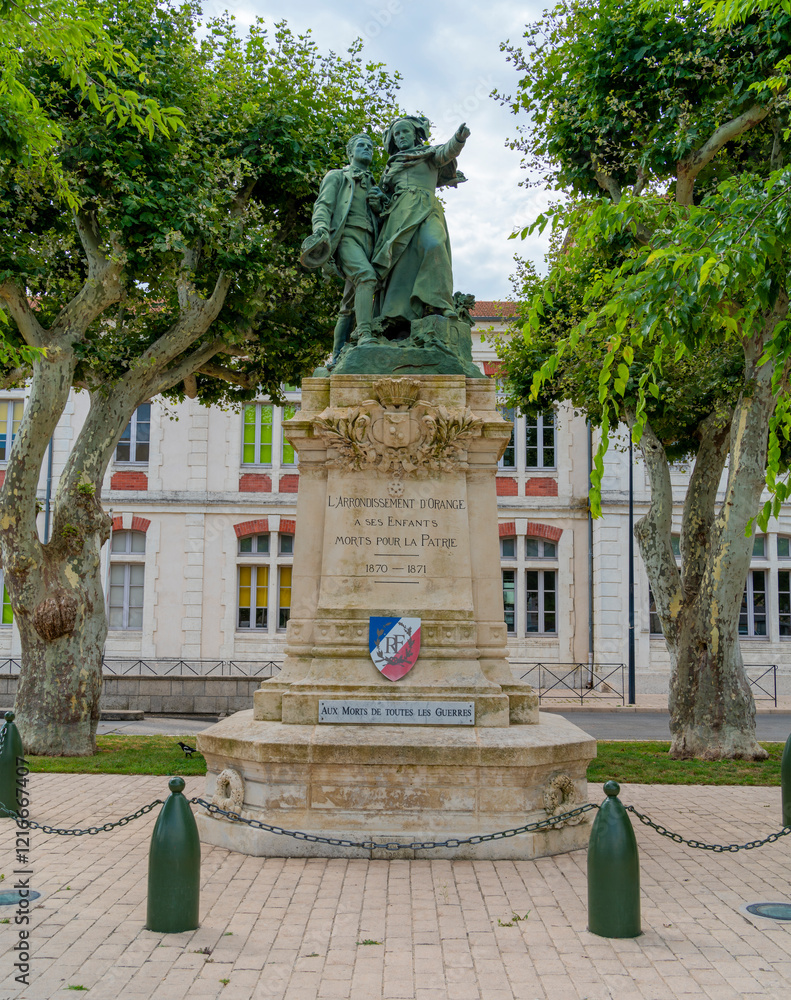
129 479
541 487
506 486
138 523
288 526
289 483
258 527
536 530
507 530
494 368
2 476
255 482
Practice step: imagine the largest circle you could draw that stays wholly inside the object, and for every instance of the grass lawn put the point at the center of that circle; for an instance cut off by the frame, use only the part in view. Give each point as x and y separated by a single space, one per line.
128 755
647 763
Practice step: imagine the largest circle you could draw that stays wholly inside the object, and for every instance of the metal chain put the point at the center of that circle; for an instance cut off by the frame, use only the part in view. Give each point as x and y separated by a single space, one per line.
716 848
92 830
371 845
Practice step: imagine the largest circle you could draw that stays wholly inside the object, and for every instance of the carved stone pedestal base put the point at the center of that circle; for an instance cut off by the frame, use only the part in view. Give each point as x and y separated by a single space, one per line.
396 784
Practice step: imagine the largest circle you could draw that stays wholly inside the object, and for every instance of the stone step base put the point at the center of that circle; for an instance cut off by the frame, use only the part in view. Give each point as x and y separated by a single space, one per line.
395 783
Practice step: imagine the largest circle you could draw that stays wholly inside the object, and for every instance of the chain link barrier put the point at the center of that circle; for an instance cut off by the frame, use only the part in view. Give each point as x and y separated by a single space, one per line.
417 845
699 845
91 830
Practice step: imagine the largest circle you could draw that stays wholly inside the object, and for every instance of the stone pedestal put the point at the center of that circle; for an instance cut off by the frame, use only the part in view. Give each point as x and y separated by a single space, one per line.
396 784
396 516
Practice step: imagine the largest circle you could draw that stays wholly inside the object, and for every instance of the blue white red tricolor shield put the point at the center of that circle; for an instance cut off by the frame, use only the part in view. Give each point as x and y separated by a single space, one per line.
394 644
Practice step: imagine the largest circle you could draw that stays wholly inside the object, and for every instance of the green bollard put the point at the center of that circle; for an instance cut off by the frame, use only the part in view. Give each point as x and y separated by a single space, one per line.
174 867
613 871
9 755
785 782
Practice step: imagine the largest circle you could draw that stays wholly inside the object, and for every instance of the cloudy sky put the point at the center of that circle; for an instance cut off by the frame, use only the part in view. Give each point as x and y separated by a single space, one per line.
449 55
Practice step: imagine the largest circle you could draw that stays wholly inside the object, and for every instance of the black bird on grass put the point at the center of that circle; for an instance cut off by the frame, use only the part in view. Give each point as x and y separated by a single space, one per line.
188 751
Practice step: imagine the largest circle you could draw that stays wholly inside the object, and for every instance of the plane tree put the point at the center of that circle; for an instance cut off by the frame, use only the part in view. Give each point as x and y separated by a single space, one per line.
176 273
666 306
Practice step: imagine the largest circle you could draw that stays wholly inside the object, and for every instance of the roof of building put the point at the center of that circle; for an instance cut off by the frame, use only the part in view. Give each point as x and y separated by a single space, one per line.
494 310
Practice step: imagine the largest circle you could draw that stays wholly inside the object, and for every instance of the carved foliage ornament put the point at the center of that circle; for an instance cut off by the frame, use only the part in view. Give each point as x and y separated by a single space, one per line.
561 796
229 791
398 432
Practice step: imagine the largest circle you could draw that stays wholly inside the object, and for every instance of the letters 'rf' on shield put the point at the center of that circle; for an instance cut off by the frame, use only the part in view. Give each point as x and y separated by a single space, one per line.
394 644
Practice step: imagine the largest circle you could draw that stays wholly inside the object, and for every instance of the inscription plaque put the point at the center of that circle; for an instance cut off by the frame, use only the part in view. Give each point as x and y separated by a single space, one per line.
398 713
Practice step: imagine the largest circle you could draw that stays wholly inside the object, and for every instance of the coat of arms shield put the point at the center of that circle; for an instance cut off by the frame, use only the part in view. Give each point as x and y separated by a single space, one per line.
394 644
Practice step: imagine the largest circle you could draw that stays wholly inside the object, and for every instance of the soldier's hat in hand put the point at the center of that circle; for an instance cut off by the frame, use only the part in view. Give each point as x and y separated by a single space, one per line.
316 251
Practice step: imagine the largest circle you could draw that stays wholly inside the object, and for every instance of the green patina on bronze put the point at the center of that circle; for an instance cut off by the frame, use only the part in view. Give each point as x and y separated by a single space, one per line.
410 321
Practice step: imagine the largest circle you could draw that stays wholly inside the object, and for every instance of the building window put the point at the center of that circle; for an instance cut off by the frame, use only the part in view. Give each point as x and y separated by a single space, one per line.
287 454
253 596
783 547
759 546
508 461
540 448
752 617
134 443
10 418
284 600
538 548
257 434
254 544
541 592
261 561
784 601
127 575
508 548
7 614
509 600
654 624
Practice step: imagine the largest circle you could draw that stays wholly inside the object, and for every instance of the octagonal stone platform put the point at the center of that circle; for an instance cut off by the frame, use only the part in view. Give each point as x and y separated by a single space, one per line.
395 783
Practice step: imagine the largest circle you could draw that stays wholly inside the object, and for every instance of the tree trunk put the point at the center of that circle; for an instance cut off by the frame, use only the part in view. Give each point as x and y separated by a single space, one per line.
57 702
712 711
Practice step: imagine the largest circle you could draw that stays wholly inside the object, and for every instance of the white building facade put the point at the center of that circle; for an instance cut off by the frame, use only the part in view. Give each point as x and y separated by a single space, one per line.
205 534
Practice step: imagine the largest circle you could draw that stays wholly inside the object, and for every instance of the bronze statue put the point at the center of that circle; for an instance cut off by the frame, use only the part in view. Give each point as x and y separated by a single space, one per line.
345 226
412 255
394 242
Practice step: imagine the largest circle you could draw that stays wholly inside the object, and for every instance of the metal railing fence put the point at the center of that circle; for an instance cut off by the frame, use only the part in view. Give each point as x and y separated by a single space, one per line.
605 681
576 681
117 666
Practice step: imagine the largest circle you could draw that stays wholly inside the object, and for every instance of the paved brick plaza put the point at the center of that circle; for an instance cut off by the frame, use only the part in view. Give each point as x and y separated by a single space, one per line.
290 929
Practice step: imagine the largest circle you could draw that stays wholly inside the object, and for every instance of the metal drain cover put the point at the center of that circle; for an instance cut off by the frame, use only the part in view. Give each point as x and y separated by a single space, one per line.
775 911
13 896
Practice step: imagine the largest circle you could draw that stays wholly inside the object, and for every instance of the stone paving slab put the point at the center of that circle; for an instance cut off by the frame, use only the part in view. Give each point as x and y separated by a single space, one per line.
296 929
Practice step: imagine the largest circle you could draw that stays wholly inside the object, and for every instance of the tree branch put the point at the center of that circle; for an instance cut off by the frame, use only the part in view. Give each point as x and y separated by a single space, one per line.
17 304
608 184
689 168
701 499
611 186
183 368
13 378
192 323
102 287
640 183
776 159
653 531
237 378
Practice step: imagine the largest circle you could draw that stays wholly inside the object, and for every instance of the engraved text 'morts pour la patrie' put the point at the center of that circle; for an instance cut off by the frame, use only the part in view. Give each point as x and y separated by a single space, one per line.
394 644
